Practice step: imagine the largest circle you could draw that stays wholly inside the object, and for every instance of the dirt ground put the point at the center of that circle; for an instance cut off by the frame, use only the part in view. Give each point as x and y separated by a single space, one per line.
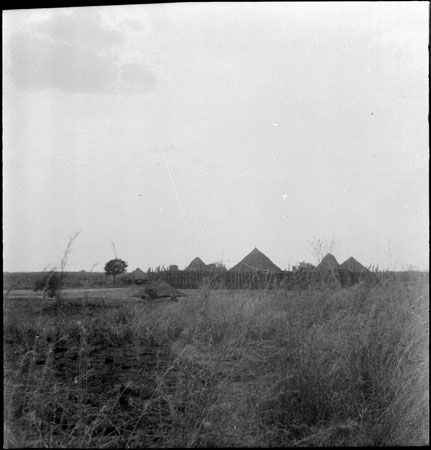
107 293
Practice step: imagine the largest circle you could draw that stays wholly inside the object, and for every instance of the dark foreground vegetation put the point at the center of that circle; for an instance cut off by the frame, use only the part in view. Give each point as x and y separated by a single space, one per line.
317 367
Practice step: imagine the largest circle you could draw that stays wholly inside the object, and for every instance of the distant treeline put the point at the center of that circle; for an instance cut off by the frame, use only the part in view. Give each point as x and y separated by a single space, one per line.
27 280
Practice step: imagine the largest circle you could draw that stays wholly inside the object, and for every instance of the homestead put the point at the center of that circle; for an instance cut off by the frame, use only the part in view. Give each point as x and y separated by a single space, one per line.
254 271
257 271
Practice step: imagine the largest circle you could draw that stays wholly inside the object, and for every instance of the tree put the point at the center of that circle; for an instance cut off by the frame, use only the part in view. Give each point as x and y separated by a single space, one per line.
303 265
321 247
115 267
220 267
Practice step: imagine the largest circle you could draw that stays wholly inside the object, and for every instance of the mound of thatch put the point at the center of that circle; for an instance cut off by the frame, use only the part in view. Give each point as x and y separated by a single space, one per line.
255 261
353 265
328 263
159 289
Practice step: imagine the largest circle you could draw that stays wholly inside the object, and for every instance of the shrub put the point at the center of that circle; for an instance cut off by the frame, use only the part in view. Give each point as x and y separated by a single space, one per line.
50 283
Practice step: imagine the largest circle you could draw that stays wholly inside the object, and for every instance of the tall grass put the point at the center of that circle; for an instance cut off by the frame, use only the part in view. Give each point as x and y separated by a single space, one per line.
346 367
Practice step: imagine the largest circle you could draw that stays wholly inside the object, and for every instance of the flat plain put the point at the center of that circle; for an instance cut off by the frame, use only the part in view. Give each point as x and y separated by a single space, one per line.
219 368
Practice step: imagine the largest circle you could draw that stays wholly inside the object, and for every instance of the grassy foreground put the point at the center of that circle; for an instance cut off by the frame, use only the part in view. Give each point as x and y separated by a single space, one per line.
220 369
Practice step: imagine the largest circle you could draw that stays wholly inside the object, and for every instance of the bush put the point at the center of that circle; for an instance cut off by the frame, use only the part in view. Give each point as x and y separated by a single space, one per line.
50 283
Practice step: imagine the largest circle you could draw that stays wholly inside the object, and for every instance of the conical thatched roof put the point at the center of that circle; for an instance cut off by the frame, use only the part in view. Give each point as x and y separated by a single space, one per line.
255 261
196 264
328 263
353 265
138 274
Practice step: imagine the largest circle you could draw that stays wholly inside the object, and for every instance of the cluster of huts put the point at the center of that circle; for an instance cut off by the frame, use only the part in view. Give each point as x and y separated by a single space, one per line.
329 262
257 263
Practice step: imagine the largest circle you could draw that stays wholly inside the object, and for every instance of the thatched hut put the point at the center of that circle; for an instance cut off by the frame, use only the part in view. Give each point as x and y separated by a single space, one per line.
329 262
353 265
197 264
256 261
138 276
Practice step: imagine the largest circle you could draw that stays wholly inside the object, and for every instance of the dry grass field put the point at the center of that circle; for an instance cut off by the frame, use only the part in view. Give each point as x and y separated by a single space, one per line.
101 368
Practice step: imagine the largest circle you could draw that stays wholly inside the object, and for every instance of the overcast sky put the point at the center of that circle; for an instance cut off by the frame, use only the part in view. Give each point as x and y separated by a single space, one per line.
184 130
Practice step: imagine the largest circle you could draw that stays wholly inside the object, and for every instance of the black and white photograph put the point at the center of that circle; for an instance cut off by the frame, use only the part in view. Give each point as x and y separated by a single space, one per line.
216 225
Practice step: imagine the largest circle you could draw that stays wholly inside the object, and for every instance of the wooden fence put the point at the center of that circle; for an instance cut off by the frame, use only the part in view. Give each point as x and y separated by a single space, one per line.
302 279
